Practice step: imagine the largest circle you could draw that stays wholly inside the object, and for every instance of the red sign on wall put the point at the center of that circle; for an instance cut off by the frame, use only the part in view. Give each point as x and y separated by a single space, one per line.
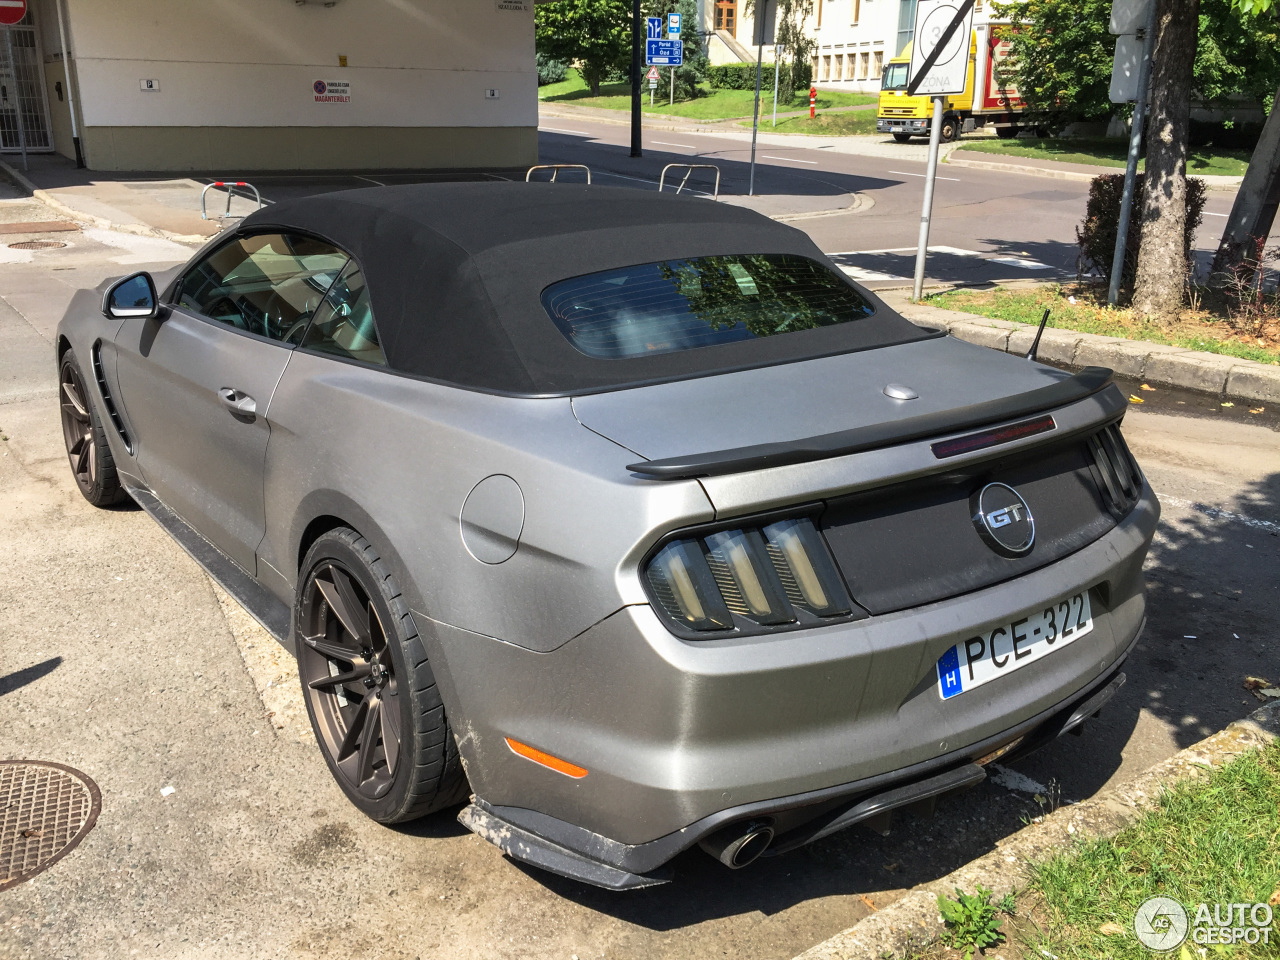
12 11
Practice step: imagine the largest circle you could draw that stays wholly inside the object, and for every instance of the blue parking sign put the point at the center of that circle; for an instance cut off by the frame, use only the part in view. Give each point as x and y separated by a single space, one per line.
653 28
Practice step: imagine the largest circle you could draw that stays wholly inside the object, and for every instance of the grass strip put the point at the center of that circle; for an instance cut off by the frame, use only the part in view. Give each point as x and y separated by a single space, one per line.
1209 161
851 124
1196 331
1211 840
713 105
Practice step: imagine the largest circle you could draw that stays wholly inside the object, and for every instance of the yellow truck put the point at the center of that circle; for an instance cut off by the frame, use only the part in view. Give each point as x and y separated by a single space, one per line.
993 99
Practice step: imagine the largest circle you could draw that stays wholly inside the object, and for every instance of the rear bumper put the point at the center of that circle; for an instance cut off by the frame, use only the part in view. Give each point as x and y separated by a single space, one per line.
681 739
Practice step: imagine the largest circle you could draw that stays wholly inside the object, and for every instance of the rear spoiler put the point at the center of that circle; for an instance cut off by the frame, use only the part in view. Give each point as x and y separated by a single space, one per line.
1084 384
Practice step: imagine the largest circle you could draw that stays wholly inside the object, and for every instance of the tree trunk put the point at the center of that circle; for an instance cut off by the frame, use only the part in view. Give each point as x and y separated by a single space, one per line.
1162 259
1254 209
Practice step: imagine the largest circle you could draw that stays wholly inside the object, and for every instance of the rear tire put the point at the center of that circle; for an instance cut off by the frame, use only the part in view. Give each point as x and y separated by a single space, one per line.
1006 133
370 692
88 449
950 129
902 137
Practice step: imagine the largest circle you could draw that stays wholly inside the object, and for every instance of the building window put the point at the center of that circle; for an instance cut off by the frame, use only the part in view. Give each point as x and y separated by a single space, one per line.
813 68
877 64
820 5
839 72
857 11
849 70
906 23
727 16
863 65
826 67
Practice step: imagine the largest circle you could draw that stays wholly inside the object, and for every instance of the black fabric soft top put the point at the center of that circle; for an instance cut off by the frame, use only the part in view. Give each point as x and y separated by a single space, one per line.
455 272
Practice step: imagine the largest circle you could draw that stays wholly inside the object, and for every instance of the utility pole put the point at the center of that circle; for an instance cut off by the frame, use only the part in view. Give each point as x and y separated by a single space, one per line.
637 40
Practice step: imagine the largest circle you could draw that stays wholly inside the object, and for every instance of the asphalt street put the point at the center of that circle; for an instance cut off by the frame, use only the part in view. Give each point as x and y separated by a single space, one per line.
118 657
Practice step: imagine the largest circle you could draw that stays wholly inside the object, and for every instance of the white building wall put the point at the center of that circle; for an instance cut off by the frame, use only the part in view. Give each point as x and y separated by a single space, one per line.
254 62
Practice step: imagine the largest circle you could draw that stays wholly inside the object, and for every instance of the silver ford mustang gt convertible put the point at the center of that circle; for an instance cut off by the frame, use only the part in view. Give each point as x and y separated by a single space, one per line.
628 517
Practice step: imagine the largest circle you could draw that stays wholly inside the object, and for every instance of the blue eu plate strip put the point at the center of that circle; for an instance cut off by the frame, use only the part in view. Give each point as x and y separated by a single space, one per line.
949 674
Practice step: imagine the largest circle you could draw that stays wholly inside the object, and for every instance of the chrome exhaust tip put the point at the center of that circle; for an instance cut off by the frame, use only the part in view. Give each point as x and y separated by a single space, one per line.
737 846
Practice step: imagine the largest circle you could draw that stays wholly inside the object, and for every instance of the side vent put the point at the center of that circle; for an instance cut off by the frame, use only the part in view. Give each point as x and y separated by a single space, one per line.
1117 472
96 354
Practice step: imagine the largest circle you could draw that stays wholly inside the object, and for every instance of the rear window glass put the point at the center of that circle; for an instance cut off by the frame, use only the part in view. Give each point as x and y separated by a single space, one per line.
675 305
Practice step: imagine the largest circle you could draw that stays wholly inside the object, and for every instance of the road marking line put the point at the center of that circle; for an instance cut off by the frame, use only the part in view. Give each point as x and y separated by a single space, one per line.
792 160
1019 262
576 133
668 144
955 251
1208 214
858 273
1218 514
859 253
369 180
903 173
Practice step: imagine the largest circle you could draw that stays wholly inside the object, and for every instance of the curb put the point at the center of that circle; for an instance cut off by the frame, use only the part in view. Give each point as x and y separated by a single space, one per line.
137 229
912 923
1211 373
1212 181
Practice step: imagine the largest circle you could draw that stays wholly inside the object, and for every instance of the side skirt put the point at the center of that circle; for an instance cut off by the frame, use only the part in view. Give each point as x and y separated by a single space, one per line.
263 606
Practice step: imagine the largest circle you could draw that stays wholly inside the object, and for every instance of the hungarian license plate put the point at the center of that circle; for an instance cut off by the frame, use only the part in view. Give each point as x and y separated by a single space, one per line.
897 129
983 657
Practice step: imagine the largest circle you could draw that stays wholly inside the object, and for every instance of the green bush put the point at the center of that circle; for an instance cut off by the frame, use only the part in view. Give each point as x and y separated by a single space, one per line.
742 76
1096 236
549 70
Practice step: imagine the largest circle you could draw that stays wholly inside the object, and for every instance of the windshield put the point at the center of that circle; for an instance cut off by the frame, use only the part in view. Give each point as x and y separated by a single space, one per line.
895 77
675 305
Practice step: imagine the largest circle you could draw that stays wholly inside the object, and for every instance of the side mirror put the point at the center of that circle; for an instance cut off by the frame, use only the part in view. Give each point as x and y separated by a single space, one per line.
133 296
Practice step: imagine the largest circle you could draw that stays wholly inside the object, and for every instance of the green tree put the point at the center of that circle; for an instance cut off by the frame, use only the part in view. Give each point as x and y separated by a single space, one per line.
789 33
1061 56
596 34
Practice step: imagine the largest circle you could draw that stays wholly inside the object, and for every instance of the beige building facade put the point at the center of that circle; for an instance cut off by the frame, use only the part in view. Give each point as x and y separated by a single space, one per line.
240 85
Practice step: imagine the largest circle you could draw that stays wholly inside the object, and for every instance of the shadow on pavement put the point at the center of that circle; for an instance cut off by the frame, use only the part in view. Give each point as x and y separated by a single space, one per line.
20 678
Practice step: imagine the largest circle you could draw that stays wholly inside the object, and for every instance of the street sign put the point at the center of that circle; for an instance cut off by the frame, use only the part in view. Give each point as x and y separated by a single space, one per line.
673 26
652 75
766 19
1128 16
664 53
940 54
653 28
12 11
1126 68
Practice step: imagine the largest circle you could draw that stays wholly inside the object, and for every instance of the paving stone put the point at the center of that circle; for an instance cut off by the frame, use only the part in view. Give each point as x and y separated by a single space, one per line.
1257 381
1193 371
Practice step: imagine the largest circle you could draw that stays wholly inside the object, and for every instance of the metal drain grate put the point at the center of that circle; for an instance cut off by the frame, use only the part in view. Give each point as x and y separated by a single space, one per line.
36 245
45 810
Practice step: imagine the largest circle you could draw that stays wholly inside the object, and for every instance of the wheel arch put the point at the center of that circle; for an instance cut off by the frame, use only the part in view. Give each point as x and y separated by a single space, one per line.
323 510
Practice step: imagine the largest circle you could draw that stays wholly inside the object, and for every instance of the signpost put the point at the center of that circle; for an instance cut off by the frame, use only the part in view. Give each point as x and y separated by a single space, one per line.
673 33
939 66
1134 21
11 12
765 14
664 53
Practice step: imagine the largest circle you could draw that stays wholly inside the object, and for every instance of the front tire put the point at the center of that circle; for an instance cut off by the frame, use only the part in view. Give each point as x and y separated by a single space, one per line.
370 692
88 449
902 137
950 129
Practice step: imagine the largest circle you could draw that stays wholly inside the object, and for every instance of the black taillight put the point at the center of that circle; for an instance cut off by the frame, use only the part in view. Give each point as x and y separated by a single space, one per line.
1117 473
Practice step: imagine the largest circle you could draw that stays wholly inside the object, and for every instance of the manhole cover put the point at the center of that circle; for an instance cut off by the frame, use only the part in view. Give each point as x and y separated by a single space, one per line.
36 245
45 810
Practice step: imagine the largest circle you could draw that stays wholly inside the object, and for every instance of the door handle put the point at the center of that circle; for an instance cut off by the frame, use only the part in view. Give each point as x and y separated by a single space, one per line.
241 405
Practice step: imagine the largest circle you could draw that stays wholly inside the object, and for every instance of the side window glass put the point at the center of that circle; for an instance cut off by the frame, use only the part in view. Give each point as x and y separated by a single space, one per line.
343 324
268 283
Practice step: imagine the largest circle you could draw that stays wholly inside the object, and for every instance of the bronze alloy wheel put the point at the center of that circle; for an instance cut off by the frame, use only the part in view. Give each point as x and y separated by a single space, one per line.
349 677
77 428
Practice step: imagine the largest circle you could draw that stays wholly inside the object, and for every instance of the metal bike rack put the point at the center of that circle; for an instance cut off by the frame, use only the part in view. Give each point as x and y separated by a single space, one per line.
688 169
230 186
555 169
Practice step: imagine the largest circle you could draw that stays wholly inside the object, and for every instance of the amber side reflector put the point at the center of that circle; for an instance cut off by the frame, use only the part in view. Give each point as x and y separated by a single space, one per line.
991 438
546 759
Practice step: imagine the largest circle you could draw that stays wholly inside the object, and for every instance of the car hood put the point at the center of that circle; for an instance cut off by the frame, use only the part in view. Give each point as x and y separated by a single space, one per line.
794 401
